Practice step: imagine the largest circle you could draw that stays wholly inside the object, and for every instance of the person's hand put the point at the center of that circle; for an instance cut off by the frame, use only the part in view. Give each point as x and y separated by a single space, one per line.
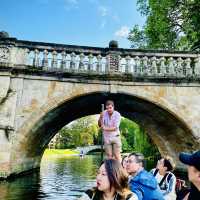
102 127
100 121
101 115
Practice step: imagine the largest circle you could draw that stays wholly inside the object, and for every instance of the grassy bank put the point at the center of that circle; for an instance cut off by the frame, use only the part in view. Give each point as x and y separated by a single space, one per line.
49 152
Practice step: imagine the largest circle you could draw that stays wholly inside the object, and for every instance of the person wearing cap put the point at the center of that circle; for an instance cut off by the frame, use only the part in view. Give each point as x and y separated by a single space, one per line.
165 178
193 162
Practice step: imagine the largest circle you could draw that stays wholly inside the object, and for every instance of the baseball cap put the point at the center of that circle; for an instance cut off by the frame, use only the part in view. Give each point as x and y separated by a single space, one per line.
192 159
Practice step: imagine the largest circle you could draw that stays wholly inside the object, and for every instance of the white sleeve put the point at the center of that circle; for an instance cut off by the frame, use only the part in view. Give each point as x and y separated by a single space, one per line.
152 171
134 197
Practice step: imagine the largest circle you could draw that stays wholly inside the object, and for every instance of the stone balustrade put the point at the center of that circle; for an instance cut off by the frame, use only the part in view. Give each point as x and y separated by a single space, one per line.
82 59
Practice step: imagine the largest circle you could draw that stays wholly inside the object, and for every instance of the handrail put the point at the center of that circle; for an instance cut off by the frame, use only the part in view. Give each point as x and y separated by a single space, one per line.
84 59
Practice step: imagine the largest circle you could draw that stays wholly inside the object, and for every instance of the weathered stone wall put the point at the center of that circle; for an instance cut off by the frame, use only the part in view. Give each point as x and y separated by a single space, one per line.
29 106
6 121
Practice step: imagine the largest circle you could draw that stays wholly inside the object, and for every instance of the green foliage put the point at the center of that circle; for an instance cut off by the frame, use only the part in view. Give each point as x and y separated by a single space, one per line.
81 132
170 24
134 138
85 131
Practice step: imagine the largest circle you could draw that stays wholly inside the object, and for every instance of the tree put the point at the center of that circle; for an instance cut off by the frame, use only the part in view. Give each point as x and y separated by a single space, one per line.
134 138
81 132
170 24
85 131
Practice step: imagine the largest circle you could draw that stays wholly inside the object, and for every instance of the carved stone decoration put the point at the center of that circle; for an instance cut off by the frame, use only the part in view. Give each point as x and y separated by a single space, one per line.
4 54
114 62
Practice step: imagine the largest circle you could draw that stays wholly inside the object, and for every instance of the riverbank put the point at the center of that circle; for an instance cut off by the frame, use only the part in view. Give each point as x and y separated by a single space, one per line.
61 152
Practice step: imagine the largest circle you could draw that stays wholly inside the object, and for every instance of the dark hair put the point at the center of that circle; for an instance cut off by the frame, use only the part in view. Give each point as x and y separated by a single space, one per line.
116 174
168 163
139 157
110 102
123 159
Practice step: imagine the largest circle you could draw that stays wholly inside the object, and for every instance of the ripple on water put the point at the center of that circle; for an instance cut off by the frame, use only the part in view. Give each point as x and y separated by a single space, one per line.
62 178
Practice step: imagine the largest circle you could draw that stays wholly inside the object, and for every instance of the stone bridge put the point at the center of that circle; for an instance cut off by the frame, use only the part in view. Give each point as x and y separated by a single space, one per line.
88 149
44 86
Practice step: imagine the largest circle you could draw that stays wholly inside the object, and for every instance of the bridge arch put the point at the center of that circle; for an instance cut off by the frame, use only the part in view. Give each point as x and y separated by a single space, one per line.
167 130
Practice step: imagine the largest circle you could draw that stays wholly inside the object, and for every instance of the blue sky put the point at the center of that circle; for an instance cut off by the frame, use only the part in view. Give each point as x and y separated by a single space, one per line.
77 22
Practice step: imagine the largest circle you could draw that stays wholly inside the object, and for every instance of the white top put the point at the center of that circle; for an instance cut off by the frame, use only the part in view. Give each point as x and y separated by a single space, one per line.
111 121
169 192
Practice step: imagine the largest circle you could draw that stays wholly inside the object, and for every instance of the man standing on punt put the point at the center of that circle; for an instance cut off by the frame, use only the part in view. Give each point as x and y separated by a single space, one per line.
109 121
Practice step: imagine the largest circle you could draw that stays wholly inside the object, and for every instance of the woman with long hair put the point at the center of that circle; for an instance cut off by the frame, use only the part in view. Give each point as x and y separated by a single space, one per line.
111 183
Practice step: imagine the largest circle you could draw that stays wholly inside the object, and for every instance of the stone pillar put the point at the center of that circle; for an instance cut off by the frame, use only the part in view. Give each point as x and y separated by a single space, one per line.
6 44
11 55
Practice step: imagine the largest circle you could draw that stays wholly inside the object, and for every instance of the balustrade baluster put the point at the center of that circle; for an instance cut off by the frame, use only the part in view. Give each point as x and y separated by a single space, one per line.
90 62
154 69
145 65
171 67
179 67
162 66
99 63
72 61
36 58
197 66
107 68
45 62
188 68
119 64
63 61
54 61
81 62
137 65
127 65
25 59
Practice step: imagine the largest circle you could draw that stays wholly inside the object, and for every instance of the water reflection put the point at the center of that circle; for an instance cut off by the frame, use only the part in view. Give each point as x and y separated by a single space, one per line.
67 177
60 178
23 188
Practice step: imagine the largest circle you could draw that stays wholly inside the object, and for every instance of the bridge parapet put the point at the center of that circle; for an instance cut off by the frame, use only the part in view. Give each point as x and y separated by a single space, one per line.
112 60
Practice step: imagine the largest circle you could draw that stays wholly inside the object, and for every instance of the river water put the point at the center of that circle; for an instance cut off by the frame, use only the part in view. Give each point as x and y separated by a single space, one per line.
59 178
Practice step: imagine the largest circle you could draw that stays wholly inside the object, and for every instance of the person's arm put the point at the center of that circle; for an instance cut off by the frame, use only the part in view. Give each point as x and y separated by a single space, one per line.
109 128
101 125
100 120
115 124
186 196
138 193
152 171
171 185
136 189
134 197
